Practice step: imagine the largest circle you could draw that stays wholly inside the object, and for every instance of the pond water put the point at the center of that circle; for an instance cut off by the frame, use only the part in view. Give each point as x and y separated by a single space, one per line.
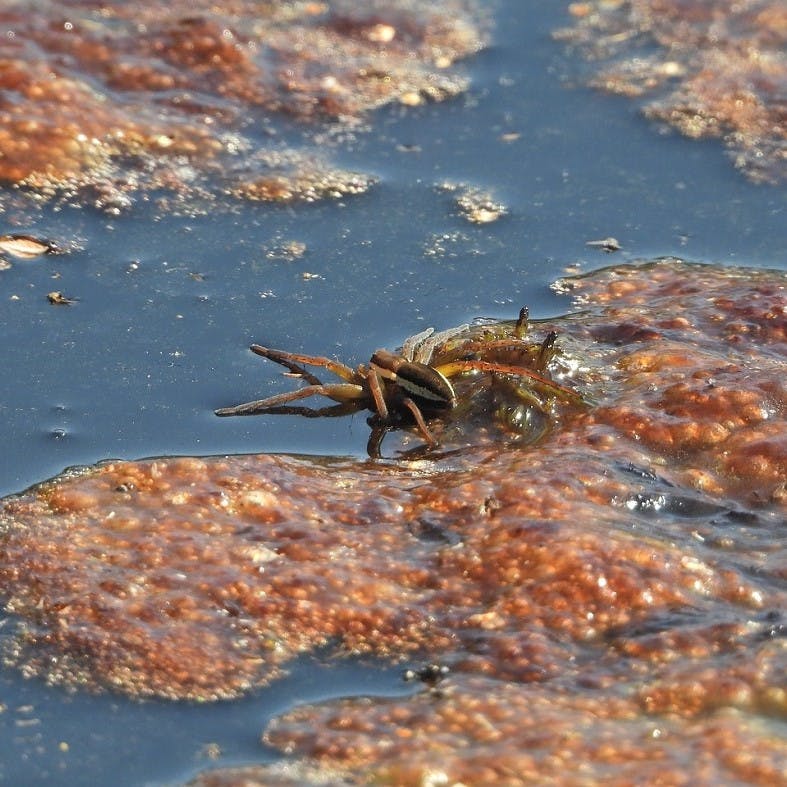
167 306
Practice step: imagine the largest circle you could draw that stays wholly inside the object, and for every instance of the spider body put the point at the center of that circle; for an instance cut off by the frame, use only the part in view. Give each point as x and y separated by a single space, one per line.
414 381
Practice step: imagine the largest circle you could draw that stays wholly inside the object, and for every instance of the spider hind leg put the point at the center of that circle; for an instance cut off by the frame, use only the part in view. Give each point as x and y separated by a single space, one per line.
341 392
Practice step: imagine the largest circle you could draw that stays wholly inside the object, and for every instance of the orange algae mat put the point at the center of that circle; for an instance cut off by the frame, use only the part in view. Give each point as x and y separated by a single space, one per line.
107 102
609 602
708 68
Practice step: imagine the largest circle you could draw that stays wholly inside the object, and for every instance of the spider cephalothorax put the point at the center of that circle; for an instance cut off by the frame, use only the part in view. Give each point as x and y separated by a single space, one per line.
415 381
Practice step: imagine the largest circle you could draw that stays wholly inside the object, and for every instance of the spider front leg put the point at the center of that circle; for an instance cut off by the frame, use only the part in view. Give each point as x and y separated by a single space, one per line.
295 363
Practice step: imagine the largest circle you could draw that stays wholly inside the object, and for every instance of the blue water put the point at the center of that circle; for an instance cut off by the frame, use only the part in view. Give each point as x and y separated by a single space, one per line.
50 737
137 365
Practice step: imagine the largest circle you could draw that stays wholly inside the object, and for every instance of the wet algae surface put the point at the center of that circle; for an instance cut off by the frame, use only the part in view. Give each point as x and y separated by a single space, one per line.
609 600
583 581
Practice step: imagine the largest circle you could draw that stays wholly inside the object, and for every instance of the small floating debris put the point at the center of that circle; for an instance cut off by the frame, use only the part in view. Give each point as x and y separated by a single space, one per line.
288 251
431 675
476 205
408 147
300 179
605 244
26 247
58 299
449 245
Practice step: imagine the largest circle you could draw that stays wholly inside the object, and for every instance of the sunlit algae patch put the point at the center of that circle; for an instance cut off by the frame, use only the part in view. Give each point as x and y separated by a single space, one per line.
709 68
609 598
108 101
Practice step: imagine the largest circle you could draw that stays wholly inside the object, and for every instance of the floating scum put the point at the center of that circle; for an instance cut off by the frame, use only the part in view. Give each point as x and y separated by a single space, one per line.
611 595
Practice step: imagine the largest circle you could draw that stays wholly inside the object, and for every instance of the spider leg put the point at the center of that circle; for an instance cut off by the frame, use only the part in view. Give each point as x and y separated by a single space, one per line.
419 420
295 368
426 350
342 392
331 411
457 367
520 329
376 436
546 350
295 363
409 346
377 393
